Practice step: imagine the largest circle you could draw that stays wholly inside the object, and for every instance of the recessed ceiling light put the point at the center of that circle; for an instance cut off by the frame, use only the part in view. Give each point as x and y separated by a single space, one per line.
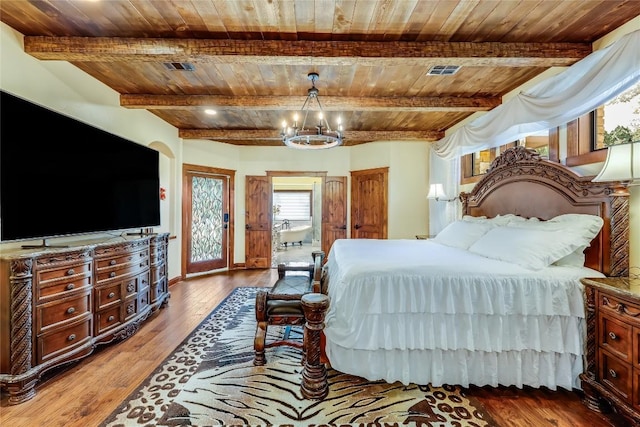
443 70
210 112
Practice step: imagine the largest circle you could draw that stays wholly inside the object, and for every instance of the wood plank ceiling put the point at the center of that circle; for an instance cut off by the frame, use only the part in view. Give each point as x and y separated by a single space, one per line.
250 58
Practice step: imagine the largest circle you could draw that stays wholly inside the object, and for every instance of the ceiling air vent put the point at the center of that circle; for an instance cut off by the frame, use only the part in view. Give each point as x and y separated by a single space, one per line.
179 66
443 70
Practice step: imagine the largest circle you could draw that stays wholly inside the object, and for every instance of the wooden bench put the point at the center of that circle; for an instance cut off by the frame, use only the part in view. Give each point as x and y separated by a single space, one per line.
296 299
281 305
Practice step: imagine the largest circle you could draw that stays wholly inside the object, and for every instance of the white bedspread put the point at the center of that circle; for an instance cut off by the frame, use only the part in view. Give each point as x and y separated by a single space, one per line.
419 312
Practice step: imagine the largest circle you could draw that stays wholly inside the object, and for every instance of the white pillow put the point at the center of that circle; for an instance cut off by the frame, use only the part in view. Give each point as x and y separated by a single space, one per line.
462 234
530 248
584 225
574 259
590 225
500 219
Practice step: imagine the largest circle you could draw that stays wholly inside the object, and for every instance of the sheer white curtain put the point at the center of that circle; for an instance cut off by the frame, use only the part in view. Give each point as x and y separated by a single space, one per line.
447 173
581 88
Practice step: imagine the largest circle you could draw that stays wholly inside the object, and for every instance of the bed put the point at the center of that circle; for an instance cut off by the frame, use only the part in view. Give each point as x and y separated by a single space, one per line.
488 301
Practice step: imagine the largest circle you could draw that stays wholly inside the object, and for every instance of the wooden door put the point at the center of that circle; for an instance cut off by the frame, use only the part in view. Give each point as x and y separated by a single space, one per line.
334 211
207 219
369 199
258 232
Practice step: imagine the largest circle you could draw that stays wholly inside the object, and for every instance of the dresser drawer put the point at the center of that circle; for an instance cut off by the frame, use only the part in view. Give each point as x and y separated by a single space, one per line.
67 271
131 285
616 337
108 319
55 313
121 271
620 308
108 295
119 260
157 274
144 299
158 255
63 287
64 340
158 289
616 375
131 308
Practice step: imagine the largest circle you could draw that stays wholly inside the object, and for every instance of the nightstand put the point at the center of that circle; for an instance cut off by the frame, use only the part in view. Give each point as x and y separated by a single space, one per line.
611 381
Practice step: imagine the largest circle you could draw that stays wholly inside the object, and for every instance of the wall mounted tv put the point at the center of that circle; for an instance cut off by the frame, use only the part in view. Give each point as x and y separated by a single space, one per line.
61 177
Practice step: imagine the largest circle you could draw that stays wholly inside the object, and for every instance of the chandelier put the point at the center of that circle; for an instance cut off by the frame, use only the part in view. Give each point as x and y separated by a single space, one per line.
317 137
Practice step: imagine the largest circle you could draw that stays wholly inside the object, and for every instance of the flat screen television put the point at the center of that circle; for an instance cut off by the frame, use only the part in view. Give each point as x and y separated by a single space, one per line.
62 177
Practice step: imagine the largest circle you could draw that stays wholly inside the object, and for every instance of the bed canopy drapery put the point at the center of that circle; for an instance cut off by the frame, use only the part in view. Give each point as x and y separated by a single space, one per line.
581 88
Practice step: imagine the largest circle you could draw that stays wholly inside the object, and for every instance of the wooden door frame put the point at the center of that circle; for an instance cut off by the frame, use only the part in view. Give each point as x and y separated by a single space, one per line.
311 174
186 208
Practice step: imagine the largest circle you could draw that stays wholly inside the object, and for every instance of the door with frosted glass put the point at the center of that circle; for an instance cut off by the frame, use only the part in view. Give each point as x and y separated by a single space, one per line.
206 220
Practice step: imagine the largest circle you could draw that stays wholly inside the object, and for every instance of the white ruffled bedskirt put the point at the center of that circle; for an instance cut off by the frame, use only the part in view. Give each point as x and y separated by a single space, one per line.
461 367
473 332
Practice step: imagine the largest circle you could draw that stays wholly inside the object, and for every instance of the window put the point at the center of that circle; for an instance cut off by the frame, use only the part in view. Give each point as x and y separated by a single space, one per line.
474 166
615 122
620 119
294 205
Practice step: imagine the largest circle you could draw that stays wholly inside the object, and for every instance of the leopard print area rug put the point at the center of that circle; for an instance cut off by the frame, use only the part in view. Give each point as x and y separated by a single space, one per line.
210 380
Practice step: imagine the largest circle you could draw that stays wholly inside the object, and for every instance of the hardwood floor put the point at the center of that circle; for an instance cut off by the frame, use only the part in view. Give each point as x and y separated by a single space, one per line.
86 392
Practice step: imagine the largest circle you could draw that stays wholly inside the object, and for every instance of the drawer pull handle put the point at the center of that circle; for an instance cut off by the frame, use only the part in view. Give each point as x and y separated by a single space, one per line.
613 336
111 295
112 262
70 272
70 286
131 288
71 310
71 337
112 274
110 318
613 373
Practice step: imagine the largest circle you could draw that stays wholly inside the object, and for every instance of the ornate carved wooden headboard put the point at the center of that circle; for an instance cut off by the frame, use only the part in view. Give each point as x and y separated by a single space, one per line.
520 182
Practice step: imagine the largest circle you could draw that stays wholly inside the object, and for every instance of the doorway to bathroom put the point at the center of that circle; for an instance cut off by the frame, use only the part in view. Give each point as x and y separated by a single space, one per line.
296 218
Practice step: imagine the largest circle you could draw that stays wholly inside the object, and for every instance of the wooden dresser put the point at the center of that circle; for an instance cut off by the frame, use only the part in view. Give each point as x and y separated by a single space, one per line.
58 304
611 381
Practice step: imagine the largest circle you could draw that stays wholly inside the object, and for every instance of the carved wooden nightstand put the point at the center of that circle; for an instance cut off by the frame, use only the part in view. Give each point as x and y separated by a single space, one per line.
611 381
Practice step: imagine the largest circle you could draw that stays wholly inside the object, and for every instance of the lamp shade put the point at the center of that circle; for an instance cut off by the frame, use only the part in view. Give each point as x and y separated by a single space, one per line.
622 163
436 191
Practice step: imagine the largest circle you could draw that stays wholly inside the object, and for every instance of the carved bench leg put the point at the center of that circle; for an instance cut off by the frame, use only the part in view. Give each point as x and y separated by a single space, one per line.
261 330
258 344
314 373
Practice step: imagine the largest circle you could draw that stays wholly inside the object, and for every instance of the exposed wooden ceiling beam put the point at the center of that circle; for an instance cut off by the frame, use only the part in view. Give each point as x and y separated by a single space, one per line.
329 103
272 137
492 54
